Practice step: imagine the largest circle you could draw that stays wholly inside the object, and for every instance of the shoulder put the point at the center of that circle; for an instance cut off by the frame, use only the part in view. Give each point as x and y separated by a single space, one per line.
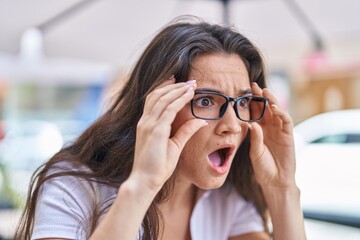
67 182
66 202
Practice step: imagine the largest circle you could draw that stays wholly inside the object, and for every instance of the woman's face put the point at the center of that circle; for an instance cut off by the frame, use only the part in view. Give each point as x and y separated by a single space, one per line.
206 158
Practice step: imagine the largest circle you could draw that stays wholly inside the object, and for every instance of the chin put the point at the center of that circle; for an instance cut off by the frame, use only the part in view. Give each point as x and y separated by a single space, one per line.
213 183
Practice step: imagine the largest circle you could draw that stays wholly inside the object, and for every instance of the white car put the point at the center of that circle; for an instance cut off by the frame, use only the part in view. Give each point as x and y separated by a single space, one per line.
328 168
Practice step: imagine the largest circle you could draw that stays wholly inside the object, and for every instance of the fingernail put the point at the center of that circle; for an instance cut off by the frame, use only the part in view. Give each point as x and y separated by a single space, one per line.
249 126
254 83
274 106
191 82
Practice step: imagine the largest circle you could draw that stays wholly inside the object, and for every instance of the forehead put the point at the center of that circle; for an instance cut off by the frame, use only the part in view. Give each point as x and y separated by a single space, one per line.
223 72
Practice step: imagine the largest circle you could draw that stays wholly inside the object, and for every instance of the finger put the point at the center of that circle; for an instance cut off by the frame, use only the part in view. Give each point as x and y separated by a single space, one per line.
171 80
171 110
280 117
153 97
172 101
270 117
270 96
184 133
158 92
267 118
287 122
256 89
276 119
257 147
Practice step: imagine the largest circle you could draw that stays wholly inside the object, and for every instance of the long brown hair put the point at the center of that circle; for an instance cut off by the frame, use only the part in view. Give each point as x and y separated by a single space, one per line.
107 146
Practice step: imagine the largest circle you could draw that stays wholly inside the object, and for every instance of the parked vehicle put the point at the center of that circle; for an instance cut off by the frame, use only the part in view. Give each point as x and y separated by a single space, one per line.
328 169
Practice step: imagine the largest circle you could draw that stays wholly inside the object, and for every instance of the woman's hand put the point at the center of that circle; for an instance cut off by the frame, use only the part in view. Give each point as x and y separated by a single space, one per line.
272 146
156 152
272 154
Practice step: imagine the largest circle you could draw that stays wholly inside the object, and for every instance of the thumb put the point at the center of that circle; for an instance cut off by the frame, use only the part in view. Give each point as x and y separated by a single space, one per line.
184 133
257 148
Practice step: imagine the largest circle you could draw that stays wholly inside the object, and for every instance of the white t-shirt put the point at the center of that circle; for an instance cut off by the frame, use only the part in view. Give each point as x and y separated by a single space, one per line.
65 204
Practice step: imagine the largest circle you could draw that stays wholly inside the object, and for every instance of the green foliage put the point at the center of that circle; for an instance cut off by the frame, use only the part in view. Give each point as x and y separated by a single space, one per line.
7 196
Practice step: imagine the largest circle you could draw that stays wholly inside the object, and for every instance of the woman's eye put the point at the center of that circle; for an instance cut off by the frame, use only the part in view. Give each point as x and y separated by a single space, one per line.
204 102
243 102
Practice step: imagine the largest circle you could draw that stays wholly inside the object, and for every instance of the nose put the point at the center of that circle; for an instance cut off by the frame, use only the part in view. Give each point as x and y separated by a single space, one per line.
229 123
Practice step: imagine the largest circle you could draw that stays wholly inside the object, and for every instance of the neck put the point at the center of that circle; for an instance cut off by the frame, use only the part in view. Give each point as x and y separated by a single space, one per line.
183 195
177 210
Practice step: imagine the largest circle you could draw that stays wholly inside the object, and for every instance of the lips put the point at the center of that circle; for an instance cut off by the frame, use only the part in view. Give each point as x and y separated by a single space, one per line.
220 159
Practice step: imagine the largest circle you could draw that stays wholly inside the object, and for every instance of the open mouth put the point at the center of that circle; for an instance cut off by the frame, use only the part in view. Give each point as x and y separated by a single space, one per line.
218 157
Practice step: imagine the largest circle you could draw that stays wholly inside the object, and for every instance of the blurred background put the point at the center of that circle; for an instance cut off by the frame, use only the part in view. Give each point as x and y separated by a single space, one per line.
61 61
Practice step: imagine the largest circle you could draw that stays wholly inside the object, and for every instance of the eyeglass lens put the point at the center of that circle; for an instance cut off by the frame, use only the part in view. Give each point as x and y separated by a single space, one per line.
213 106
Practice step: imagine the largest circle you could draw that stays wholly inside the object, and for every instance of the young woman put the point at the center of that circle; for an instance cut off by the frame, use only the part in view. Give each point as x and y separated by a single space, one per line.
194 147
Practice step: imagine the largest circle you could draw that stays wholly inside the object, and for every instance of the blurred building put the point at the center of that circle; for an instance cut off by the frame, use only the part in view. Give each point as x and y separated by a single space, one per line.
325 88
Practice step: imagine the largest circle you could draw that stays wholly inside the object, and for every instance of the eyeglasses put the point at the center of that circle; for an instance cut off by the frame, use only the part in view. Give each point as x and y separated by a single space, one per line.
210 105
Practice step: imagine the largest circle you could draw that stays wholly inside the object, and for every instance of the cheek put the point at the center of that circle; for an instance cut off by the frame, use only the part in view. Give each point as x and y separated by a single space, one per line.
192 156
196 147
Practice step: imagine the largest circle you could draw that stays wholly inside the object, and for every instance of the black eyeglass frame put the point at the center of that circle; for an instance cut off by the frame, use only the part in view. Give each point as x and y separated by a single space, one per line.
228 100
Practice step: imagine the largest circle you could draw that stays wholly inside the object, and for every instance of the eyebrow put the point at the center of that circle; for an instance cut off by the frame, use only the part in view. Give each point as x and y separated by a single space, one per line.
241 93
